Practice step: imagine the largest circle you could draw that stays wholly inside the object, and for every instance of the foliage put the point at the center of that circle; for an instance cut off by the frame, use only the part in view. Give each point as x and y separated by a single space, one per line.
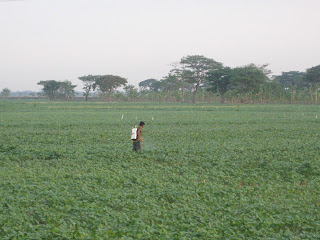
168 85
220 81
190 79
313 75
88 82
313 78
108 83
50 89
148 84
272 89
249 79
66 90
290 79
207 171
57 90
181 76
5 93
195 70
131 92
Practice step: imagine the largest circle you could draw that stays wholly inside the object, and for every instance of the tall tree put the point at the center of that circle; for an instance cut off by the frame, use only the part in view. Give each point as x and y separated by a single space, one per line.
148 89
5 93
147 84
220 81
196 68
88 82
50 89
181 76
169 84
55 90
108 83
249 79
313 78
291 81
66 90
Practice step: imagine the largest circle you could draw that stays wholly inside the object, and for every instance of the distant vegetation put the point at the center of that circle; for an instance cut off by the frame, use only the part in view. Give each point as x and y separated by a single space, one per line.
5 93
196 79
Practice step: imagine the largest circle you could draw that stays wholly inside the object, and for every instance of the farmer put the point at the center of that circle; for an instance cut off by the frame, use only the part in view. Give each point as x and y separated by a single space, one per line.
137 143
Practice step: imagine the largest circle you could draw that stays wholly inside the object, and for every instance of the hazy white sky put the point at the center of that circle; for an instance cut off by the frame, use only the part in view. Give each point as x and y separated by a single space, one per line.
138 39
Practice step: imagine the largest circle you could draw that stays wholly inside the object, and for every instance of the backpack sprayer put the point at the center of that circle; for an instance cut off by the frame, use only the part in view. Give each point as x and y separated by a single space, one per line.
134 133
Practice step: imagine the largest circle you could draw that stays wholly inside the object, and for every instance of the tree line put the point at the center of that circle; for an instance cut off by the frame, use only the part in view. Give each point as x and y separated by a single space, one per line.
198 78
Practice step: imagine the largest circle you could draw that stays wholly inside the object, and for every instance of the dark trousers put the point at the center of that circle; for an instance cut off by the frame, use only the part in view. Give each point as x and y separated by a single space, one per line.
136 146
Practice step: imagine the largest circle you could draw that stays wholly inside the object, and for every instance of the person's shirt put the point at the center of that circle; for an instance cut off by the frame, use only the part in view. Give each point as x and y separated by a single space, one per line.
139 134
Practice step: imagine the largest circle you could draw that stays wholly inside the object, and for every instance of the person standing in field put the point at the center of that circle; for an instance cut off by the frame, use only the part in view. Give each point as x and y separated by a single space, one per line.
137 143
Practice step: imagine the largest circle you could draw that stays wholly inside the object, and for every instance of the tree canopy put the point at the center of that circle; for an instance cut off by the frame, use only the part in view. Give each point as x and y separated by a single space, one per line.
220 81
195 69
198 78
148 84
88 82
5 93
50 89
313 78
249 79
108 83
313 75
290 79
57 90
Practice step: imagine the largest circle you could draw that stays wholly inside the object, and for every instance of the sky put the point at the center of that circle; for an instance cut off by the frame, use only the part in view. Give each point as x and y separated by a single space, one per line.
140 39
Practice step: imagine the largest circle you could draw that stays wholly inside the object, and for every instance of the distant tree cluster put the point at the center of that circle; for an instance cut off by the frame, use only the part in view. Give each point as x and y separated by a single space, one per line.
105 84
198 78
57 90
246 84
300 84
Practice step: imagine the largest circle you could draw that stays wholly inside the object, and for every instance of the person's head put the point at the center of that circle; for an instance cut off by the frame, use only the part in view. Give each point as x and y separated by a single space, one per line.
141 124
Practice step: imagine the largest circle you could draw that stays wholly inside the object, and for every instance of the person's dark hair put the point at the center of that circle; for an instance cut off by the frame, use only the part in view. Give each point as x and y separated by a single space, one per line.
141 123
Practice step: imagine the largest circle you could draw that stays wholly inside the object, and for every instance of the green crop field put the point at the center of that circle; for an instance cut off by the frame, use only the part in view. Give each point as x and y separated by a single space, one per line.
67 171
